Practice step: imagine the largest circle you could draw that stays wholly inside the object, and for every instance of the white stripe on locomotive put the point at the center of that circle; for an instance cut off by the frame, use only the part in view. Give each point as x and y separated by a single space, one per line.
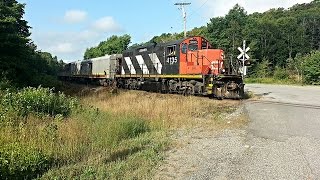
130 65
122 71
156 62
142 64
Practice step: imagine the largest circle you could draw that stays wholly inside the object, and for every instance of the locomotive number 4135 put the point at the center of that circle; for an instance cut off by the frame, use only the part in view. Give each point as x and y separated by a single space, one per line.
172 60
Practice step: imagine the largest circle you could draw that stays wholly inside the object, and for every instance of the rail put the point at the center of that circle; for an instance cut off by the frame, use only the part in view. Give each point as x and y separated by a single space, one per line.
309 106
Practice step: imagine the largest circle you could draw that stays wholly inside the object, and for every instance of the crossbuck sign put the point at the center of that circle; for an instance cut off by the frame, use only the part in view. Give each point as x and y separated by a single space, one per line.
243 56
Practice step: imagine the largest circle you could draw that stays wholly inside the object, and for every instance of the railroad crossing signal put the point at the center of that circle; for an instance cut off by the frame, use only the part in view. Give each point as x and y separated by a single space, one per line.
243 53
244 57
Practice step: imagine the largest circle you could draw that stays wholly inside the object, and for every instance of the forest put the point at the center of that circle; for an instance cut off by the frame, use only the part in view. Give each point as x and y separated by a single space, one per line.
21 64
284 43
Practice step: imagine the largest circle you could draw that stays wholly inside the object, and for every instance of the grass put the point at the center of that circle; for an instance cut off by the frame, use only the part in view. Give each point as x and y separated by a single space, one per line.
87 138
163 110
107 136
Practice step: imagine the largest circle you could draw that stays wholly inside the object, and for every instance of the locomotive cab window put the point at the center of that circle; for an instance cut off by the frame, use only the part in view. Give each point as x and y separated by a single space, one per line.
171 50
204 45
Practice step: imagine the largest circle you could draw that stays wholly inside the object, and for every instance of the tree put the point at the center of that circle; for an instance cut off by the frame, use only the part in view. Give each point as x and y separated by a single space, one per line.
262 69
311 67
113 45
14 38
93 52
227 32
167 37
294 66
20 62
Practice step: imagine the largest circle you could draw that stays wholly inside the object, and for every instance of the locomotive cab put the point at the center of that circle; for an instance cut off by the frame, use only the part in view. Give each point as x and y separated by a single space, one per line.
197 57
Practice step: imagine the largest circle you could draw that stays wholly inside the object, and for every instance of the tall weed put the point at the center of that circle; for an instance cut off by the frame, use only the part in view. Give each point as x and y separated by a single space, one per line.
20 161
40 101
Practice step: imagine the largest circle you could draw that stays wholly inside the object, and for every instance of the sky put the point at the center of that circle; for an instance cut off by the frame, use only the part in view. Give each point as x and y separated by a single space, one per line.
65 28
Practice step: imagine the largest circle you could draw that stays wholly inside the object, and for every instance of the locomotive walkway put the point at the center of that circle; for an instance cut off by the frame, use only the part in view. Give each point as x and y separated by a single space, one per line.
281 140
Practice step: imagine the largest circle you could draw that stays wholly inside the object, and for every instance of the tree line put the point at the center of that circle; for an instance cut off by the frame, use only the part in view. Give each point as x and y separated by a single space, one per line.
21 63
283 42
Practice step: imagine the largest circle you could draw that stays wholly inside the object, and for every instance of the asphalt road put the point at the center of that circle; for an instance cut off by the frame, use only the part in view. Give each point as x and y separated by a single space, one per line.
284 111
284 137
281 140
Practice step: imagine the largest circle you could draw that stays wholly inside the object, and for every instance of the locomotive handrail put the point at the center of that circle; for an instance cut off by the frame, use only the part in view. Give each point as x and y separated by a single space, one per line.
206 58
194 56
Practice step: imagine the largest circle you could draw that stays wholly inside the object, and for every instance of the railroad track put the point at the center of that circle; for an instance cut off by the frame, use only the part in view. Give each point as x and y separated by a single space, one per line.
307 106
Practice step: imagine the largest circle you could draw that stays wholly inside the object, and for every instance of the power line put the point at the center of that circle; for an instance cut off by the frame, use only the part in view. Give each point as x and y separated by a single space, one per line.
192 12
195 11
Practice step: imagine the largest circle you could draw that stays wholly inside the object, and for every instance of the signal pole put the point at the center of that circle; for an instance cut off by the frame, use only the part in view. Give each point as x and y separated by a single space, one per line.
184 15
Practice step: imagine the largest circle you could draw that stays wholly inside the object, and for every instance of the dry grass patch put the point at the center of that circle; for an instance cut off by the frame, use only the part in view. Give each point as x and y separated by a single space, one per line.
164 110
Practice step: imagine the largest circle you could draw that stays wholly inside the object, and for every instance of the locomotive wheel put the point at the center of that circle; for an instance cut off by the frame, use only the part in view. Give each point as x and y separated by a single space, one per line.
220 98
187 92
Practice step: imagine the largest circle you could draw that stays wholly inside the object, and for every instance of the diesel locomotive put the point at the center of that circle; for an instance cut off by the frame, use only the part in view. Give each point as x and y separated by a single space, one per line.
188 66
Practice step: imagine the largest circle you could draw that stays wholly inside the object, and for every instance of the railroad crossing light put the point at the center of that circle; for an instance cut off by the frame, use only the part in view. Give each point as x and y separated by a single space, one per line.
247 62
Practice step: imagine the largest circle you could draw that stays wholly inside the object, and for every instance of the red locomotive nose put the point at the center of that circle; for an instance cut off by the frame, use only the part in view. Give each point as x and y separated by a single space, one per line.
206 61
216 59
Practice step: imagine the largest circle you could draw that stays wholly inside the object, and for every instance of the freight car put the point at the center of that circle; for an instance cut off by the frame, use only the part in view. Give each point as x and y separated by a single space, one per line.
102 70
188 66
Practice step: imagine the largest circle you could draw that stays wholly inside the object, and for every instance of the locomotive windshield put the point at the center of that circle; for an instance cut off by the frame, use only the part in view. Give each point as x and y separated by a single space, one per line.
193 47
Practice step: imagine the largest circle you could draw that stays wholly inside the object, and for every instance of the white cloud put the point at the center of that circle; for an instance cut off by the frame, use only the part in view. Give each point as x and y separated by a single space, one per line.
106 24
74 16
62 48
71 45
222 7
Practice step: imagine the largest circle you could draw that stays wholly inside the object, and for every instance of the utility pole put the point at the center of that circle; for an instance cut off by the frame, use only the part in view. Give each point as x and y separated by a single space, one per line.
184 15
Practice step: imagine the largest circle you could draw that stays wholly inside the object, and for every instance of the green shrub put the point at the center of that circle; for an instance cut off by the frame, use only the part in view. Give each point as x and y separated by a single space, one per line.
4 84
19 161
36 100
46 81
311 68
262 70
280 74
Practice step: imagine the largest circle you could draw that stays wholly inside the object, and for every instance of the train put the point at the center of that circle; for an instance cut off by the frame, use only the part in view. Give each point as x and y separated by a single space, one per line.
189 66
